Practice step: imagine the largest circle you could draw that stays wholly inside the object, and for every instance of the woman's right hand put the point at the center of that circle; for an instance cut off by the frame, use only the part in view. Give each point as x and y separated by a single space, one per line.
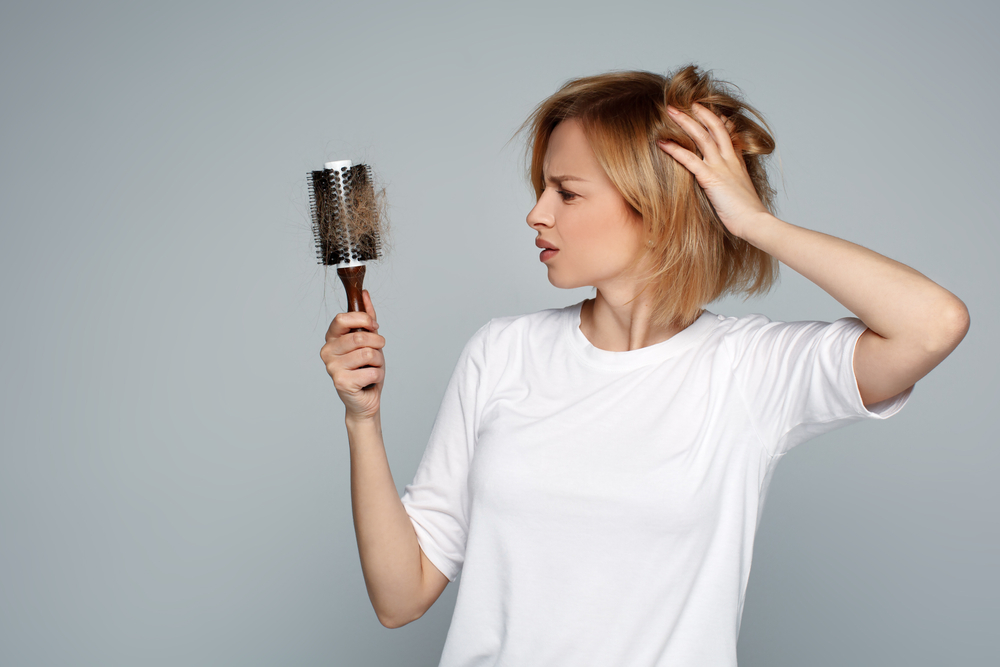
355 360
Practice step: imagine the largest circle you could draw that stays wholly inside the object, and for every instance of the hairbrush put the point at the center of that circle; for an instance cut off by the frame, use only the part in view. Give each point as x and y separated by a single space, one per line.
347 218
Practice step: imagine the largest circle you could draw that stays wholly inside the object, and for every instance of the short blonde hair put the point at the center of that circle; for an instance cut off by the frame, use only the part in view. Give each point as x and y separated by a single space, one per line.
695 258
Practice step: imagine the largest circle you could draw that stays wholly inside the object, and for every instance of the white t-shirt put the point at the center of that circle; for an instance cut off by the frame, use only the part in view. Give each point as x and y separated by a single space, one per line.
602 506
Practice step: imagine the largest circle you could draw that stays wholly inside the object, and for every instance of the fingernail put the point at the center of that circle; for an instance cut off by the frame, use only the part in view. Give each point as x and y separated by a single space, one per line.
670 109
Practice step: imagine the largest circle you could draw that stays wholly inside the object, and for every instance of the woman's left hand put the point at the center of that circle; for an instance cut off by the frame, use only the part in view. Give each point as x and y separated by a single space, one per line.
722 173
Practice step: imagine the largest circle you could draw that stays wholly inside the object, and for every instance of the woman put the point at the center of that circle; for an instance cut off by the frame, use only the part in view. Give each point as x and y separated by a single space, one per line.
597 472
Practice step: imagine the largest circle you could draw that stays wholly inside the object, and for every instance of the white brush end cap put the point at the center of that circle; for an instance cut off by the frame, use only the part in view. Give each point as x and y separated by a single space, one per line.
339 164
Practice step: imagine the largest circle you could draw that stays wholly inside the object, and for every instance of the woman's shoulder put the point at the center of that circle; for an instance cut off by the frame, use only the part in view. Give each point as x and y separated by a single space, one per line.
735 325
508 331
549 317
756 322
759 332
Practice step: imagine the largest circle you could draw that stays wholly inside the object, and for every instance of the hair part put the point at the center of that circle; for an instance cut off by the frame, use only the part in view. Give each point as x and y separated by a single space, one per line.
694 258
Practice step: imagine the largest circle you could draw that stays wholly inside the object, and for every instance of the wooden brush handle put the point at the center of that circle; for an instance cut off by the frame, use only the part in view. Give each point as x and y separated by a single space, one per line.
353 277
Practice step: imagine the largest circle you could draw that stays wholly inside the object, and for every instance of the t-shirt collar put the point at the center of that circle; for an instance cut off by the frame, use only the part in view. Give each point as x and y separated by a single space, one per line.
673 346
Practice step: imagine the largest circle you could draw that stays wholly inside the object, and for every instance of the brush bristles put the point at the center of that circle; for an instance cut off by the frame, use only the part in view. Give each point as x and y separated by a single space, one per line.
346 214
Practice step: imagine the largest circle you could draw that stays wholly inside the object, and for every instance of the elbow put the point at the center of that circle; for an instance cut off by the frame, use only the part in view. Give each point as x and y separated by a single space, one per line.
389 622
961 320
950 326
394 622
397 619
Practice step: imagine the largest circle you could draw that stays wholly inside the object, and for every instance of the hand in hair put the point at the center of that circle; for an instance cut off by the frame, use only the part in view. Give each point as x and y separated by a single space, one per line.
721 172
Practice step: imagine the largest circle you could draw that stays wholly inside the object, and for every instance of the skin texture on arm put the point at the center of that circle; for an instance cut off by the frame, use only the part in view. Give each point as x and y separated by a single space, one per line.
401 582
433 583
913 323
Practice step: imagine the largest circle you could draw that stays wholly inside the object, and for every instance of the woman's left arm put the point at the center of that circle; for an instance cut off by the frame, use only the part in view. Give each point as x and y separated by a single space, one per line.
913 322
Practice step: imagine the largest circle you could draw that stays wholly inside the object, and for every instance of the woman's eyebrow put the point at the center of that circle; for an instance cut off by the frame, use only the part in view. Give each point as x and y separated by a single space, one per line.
564 178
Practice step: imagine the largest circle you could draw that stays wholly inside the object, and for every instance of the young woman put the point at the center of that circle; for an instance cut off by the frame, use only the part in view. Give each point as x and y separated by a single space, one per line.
597 472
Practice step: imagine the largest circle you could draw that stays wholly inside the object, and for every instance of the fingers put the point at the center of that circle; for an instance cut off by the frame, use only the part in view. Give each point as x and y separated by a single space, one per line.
689 160
352 366
718 129
354 341
354 359
710 134
737 144
352 382
344 322
365 356
695 130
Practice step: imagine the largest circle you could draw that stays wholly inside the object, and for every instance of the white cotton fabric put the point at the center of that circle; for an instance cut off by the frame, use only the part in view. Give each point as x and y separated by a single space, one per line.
601 506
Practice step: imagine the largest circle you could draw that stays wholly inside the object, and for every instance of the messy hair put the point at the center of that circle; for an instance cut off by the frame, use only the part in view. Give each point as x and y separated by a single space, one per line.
695 258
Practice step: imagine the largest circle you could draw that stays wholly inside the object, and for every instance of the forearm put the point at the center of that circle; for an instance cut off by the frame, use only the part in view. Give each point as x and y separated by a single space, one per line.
892 299
387 541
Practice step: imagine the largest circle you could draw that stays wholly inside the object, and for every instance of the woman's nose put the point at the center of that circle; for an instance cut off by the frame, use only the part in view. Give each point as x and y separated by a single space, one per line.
540 215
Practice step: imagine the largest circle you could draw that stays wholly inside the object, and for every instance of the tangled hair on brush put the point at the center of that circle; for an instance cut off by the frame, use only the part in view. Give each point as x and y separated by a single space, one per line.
368 218
695 258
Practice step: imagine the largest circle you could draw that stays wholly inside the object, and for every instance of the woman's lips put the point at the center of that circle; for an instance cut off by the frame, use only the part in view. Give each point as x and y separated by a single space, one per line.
547 254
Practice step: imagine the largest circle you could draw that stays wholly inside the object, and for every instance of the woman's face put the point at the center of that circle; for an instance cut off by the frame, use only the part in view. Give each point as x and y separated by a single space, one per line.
582 215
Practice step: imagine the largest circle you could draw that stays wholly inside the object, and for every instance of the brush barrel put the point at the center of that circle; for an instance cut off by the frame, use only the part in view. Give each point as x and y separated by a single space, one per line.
339 166
351 273
336 166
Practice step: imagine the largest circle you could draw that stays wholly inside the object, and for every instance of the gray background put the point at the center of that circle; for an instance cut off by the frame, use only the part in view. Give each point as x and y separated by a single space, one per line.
174 483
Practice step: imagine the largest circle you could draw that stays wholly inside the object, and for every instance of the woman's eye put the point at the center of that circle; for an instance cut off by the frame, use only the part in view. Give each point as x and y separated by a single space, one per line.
566 195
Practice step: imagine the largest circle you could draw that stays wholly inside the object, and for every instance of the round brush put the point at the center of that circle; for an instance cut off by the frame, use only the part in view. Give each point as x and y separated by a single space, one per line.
347 220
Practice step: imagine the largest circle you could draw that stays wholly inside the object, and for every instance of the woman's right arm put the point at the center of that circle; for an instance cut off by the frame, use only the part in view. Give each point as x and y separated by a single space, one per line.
402 583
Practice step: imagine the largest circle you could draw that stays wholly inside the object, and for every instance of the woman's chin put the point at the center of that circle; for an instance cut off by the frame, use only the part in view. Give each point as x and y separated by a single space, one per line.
562 282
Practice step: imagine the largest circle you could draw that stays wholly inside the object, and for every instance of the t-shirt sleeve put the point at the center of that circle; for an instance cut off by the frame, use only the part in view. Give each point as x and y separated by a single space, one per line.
437 500
798 379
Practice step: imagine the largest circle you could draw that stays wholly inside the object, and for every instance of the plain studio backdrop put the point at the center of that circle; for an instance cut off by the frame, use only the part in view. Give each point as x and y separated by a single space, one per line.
174 468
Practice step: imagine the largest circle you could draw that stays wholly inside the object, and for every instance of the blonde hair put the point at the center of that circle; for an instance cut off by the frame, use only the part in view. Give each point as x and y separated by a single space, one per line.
695 258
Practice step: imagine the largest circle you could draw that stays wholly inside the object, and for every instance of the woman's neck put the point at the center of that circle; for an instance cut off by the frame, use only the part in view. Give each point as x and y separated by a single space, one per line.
619 322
